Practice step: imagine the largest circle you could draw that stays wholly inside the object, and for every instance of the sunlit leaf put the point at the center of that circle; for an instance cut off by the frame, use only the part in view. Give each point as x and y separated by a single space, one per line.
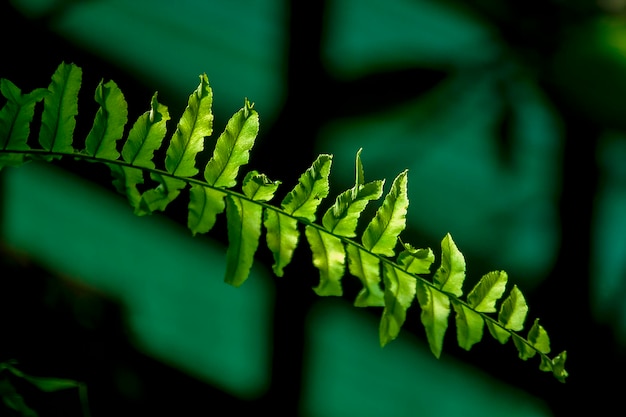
538 337
232 149
450 275
258 187
416 261
282 238
16 115
108 125
513 310
435 311
60 109
342 218
144 139
158 198
487 291
381 234
399 294
329 257
146 135
244 231
366 267
204 205
195 124
311 189
469 325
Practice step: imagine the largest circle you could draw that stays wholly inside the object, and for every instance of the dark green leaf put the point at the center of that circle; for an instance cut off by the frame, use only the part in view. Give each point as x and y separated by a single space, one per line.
108 126
60 109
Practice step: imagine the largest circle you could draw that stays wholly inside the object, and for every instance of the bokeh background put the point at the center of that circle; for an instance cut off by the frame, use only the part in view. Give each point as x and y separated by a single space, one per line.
509 115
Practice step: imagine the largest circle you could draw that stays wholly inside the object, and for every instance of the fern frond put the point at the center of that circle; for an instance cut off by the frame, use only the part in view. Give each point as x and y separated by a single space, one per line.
451 274
151 185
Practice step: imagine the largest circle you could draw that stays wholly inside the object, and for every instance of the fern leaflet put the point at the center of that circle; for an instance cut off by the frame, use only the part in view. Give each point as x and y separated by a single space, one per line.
60 109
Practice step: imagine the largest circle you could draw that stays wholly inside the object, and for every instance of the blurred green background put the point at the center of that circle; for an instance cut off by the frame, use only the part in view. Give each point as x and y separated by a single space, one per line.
509 115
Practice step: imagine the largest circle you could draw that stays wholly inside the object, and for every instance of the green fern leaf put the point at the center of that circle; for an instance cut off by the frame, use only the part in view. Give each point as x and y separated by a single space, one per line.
301 202
233 148
108 126
342 218
487 291
525 351
435 307
366 267
146 135
511 316
244 231
204 205
513 310
311 189
381 234
538 338
498 332
195 124
451 273
555 365
187 141
244 226
125 180
416 261
60 109
538 341
158 198
400 288
482 298
469 325
231 152
144 138
15 119
282 239
329 256
258 187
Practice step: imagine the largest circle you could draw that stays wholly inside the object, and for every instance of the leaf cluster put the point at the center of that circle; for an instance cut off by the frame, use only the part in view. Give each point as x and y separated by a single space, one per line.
394 275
